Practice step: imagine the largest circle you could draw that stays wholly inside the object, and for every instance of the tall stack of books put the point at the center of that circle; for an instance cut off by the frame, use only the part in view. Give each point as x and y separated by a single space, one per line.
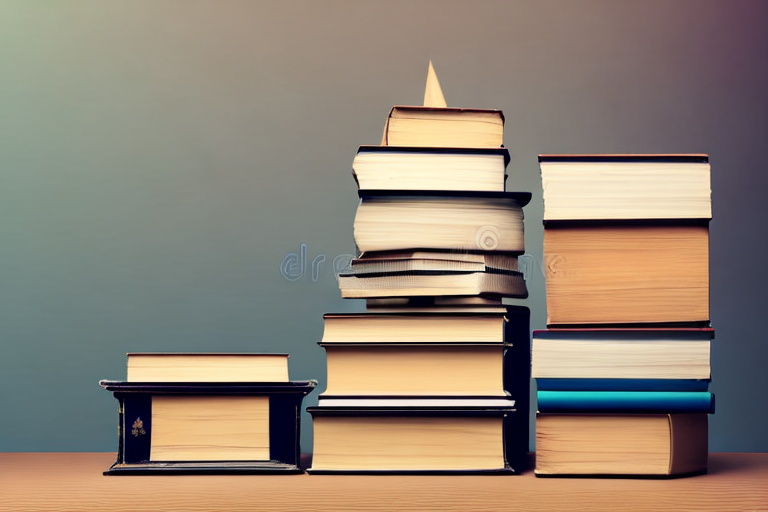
624 367
434 376
208 413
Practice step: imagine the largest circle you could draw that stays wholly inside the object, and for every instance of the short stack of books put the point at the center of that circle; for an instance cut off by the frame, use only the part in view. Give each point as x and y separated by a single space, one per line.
208 413
434 377
623 370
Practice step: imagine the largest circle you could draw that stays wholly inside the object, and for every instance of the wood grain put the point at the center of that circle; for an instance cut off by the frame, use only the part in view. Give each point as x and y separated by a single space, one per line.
73 482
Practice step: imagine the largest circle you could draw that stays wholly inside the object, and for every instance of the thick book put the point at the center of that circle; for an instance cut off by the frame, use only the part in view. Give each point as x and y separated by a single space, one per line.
430 168
208 427
206 367
626 401
415 369
398 220
594 187
364 436
651 445
627 273
622 354
443 127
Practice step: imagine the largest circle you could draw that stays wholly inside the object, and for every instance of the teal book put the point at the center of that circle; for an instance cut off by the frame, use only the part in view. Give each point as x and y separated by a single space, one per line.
626 401
551 384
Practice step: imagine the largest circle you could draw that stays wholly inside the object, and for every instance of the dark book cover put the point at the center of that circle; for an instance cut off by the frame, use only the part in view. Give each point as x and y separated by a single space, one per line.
439 150
640 158
521 198
135 426
384 412
628 333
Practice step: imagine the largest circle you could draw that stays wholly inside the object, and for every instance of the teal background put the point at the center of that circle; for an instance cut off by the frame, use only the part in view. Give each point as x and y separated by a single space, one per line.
159 159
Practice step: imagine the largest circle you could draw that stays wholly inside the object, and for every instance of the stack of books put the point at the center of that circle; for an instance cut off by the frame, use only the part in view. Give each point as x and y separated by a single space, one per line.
434 376
623 370
208 413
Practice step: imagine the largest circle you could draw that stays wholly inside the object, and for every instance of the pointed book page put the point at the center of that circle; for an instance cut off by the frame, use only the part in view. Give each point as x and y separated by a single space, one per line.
435 125
433 94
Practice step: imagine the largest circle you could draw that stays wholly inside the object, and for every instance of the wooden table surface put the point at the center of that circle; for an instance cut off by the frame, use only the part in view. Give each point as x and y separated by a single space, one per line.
73 481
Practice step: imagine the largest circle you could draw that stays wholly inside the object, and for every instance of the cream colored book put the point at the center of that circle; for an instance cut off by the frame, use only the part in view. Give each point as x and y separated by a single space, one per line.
210 428
436 125
437 325
401 438
595 187
430 168
434 369
621 354
444 127
442 221
429 284
206 367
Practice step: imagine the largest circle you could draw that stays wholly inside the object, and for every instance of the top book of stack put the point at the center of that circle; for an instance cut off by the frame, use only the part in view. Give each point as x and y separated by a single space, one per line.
626 187
436 125
443 127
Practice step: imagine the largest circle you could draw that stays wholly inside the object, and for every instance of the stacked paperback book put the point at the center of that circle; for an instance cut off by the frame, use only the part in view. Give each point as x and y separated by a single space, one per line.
623 369
434 376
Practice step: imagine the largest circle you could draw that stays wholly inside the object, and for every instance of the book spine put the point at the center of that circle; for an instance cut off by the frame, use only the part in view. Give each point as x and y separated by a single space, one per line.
135 428
517 382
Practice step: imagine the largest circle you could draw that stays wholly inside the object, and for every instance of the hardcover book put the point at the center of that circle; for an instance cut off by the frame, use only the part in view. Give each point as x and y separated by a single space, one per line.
206 367
627 273
398 220
657 445
210 427
430 168
412 437
444 127
616 354
595 187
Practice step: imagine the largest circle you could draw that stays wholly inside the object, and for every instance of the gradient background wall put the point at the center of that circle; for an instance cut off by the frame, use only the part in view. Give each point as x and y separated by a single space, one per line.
159 159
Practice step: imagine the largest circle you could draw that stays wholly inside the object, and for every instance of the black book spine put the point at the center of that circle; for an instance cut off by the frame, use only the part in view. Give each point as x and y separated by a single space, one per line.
517 382
135 430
